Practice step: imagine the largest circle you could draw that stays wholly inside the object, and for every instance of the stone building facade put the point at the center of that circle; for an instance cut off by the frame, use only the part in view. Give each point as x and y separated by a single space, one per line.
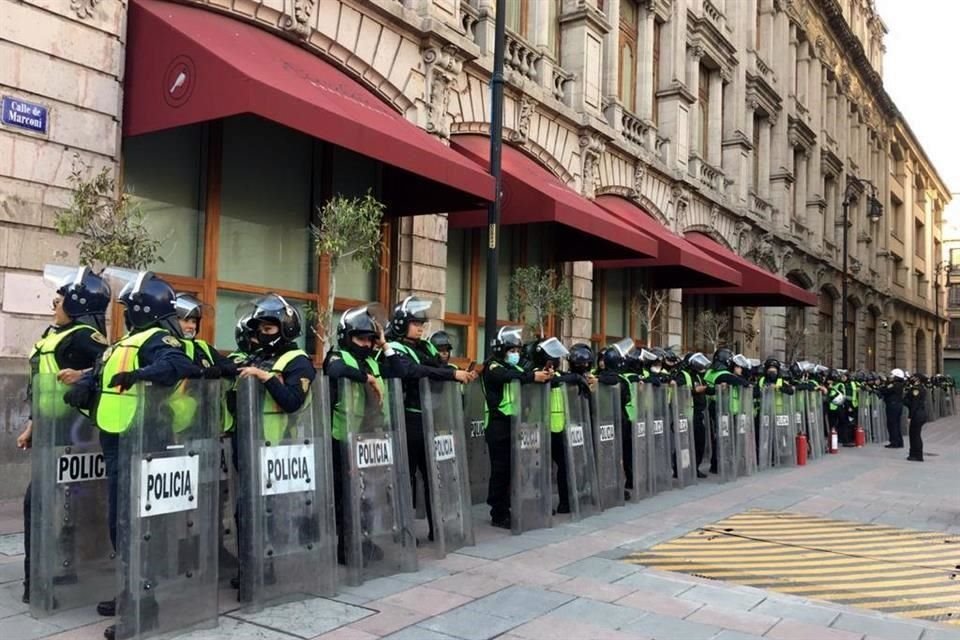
746 120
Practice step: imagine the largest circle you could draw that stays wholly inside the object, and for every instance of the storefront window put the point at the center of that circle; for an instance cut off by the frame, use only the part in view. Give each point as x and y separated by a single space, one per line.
459 260
617 304
165 172
265 205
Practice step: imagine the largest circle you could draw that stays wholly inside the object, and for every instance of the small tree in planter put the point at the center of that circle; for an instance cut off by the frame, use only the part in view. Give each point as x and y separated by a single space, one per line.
110 226
710 329
646 308
535 295
349 230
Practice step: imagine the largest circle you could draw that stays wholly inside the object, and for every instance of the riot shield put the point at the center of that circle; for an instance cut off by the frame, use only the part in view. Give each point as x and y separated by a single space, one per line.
167 509
71 560
928 402
660 438
531 494
745 446
377 500
609 446
478 456
583 486
642 468
685 457
882 420
442 405
863 411
287 538
814 410
765 433
785 443
726 467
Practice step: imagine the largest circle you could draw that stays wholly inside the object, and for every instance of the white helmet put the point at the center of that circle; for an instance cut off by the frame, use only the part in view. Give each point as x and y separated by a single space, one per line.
898 373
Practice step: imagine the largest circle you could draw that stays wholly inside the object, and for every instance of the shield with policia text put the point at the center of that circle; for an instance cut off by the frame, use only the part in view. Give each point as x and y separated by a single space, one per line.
442 405
608 444
71 559
745 444
724 428
641 472
287 537
478 455
660 438
377 497
685 457
167 508
785 430
583 486
531 494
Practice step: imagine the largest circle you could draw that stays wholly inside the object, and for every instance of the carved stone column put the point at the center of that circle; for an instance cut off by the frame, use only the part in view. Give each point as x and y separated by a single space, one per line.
442 71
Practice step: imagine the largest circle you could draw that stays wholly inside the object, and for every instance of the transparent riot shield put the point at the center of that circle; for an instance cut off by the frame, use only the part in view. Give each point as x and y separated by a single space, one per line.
287 538
442 405
784 432
478 456
814 410
880 410
167 509
726 467
863 412
660 438
685 457
531 494
745 446
377 498
642 469
71 559
930 406
583 485
608 445
765 432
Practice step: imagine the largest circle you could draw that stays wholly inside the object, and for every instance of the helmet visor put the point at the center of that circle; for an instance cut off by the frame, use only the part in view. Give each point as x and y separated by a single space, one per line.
742 361
421 309
119 277
648 356
513 336
188 306
625 347
699 361
57 276
553 348
374 311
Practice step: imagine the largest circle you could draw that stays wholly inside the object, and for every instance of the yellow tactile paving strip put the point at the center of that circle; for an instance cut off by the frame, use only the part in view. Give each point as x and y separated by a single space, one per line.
914 574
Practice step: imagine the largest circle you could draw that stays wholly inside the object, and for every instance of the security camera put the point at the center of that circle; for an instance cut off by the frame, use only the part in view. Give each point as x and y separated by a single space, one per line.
884 324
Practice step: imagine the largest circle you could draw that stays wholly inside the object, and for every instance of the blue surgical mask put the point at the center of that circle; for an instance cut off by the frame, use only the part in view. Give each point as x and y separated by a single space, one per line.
513 358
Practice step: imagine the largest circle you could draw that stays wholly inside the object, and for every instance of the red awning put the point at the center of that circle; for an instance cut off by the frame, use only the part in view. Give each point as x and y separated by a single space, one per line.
573 225
759 288
679 264
187 65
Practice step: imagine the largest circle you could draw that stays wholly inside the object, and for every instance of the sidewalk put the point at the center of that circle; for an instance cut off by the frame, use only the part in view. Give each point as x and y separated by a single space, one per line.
570 582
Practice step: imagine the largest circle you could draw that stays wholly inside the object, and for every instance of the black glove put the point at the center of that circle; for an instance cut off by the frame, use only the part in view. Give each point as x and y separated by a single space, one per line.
212 373
229 369
78 396
124 380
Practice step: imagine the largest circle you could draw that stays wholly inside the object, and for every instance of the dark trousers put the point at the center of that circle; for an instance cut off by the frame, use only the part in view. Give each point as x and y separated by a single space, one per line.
626 439
846 426
26 538
894 415
713 438
497 436
338 471
916 441
417 453
699 433
110 445
558 451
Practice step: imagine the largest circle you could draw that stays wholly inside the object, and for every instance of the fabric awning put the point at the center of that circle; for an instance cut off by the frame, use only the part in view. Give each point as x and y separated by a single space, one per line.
575 227
187 65
758 289
679 264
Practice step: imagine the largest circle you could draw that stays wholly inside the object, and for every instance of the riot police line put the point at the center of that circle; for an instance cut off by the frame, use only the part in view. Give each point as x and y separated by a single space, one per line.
160 464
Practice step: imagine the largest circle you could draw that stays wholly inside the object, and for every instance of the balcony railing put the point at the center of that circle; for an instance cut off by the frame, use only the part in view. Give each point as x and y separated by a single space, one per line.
635 130
760 206
714 14
468 20
708 175
520 58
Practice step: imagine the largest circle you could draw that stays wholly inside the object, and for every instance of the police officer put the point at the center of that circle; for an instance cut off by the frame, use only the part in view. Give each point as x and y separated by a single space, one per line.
915 399
499 372
213 363
151 351
444 346
620 365
245 339
692 368
892 393
723 370
355 358
841 396
68 348
416 359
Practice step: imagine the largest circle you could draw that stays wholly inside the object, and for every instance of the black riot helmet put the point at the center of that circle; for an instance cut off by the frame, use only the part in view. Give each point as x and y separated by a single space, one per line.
581 357
612 359
441 340
549 351
188 307
149 301
410 309
771 363
274 308
86 295
670 357
696 362
723 358
509 337
359 322
244 335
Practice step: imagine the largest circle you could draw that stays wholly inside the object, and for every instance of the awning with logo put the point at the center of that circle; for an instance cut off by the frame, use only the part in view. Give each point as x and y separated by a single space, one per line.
187 65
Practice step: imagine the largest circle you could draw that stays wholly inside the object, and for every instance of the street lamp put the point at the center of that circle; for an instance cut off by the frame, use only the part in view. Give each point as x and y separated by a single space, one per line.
855 186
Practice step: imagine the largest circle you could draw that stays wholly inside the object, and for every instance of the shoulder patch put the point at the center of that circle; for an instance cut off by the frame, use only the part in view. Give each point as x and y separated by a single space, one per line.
334 356
305 384
99 338
916 392
172 342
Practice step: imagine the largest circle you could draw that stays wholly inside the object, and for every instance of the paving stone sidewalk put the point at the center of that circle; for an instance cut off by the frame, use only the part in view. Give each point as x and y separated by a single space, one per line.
568 582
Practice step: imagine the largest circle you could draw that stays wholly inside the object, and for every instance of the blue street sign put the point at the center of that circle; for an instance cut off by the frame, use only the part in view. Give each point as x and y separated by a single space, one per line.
23 114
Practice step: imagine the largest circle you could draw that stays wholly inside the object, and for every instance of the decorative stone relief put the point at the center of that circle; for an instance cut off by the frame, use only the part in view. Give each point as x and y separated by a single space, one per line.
681 202
639 172
442 70
591 146
296 17
714 215
741 230
525 111
783 259
84 8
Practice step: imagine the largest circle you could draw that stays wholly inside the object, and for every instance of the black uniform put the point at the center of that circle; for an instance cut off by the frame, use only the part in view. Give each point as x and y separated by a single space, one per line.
915 399
80 350
893 399
733 380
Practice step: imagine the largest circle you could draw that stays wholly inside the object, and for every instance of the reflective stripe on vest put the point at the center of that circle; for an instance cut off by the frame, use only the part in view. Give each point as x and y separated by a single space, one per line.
116 409
339 427
43 360
632 403
508 403
275 419
189 347
558 412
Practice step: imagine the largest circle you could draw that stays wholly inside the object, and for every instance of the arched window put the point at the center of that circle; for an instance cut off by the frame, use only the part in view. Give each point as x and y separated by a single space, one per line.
629 20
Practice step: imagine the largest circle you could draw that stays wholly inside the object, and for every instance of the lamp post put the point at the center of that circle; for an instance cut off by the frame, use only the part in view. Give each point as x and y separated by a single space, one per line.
496 141
941 267
855 186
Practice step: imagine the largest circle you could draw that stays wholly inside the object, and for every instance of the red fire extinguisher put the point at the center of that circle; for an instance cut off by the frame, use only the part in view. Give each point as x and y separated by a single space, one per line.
860 436
801 449
833 440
